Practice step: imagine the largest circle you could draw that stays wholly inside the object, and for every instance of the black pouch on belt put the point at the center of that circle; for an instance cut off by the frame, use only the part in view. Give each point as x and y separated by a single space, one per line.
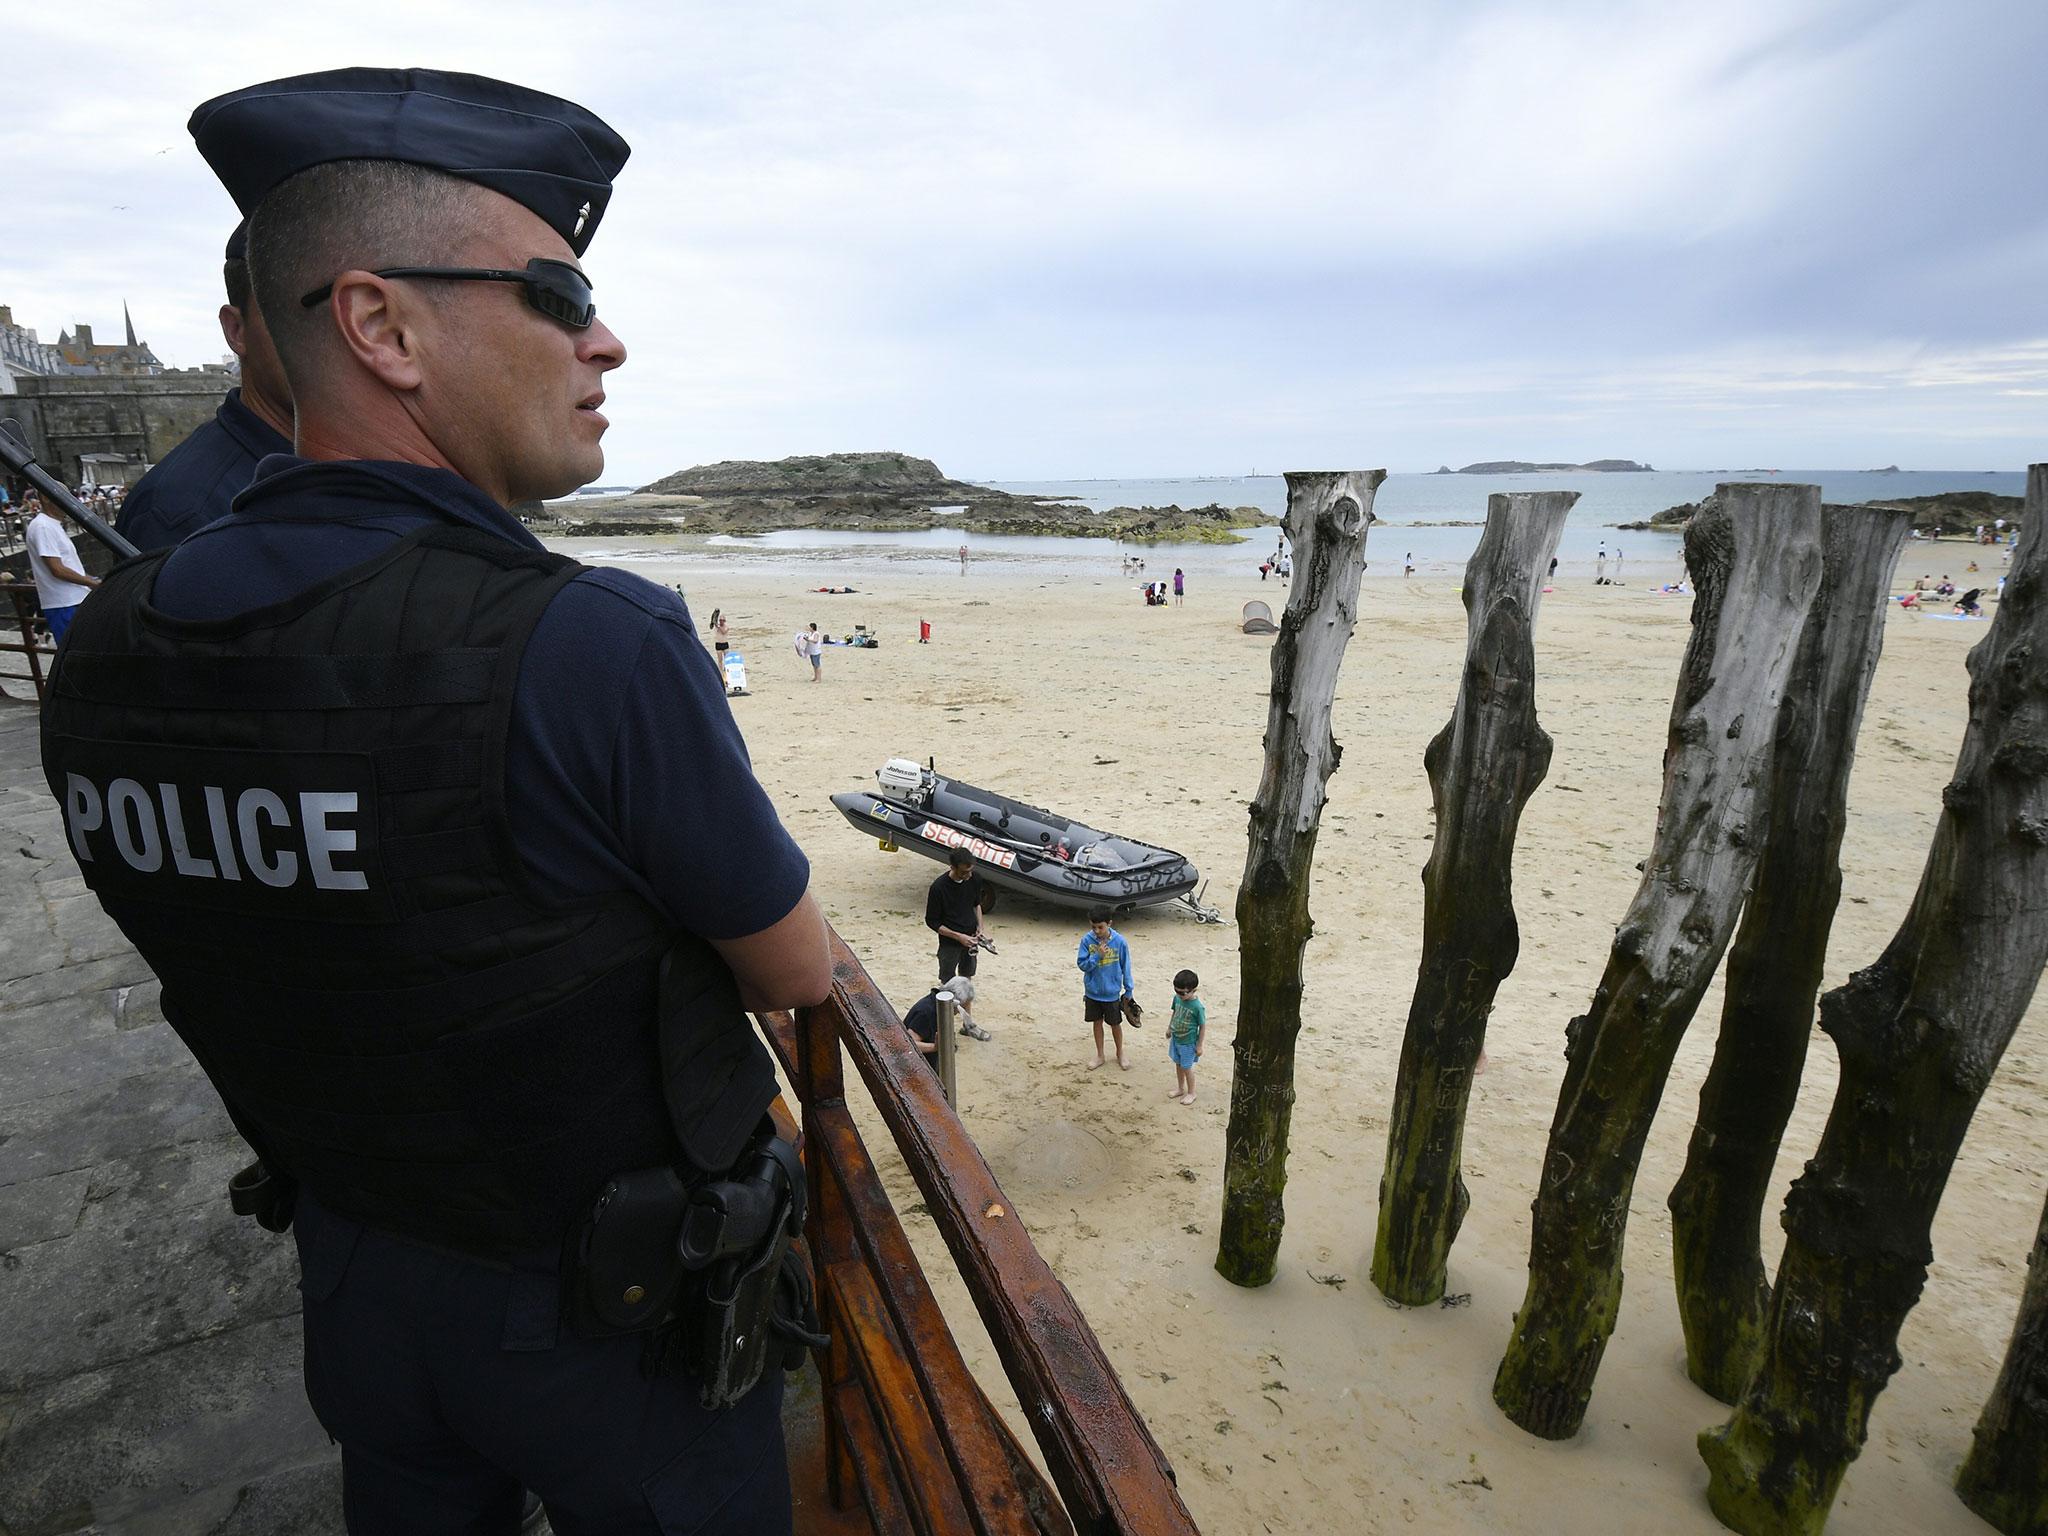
625 1274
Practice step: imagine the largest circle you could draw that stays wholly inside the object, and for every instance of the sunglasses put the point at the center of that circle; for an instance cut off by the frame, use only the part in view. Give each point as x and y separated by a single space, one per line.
555 288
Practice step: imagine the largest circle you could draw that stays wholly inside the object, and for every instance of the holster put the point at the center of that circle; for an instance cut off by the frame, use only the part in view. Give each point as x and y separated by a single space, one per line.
702 1257
712 1272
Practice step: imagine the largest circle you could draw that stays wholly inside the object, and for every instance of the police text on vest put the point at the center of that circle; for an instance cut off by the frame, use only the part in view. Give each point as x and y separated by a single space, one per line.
253 830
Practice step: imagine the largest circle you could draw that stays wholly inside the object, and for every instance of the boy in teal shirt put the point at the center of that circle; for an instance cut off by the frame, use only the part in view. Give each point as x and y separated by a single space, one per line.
1184 1035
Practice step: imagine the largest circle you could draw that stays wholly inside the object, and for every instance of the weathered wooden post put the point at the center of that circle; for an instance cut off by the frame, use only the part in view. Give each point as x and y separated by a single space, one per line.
2005 1477
1774 966
1919 1034
1482 768
1754 554
1327 518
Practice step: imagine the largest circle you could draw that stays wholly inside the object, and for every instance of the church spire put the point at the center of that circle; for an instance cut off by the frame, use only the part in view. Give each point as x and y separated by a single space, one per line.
131 323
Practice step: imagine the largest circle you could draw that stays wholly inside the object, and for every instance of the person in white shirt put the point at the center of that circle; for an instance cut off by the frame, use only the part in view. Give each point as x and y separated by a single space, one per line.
811 645
61 582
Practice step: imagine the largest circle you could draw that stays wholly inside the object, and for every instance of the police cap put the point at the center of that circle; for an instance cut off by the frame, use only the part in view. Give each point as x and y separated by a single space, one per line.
547 154
238 242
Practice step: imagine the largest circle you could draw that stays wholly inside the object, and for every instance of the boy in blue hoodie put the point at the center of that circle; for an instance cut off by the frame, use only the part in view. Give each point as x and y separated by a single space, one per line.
1105 961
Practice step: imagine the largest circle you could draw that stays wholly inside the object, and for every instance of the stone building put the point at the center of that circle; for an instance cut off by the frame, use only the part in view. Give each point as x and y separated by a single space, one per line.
22 355
100 413
84 355
75 423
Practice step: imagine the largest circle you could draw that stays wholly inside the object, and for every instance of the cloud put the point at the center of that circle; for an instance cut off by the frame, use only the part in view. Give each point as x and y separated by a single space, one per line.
1065 238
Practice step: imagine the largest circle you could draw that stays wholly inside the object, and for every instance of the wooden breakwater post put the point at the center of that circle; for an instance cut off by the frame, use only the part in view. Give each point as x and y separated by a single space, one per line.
1328 515
1774 965
2005 1477
1754 554
1919 1033
1482 768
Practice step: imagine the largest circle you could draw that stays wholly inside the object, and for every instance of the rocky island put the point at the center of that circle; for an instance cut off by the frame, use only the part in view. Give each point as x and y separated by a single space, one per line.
1944 515
867 493
1524 467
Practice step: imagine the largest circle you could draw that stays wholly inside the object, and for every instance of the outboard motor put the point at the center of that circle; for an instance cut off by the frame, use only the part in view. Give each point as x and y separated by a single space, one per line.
906 780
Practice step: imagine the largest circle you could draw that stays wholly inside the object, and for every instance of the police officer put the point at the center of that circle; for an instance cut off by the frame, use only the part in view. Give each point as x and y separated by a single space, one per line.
195 482
387 796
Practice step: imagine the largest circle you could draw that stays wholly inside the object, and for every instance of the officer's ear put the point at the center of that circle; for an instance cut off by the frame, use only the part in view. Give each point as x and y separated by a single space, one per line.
377 321
231 330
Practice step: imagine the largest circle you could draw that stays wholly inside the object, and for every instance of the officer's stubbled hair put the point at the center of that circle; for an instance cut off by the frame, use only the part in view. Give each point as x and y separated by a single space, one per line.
344 216
234 276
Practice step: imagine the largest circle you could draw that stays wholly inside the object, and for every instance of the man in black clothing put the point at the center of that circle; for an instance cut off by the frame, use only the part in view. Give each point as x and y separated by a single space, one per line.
952 910
201 477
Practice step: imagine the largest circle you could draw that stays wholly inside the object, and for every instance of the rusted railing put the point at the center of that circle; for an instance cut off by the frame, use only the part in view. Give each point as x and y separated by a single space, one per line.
21 602
909 1432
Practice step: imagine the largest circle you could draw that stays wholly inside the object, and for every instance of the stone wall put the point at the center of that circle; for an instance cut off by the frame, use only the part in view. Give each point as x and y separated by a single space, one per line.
141 417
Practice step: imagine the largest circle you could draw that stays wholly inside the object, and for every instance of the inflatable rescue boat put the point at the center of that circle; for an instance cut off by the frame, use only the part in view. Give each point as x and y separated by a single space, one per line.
1019 847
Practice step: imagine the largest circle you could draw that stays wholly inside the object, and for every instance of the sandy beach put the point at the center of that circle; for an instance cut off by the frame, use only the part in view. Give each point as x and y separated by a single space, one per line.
1311 1405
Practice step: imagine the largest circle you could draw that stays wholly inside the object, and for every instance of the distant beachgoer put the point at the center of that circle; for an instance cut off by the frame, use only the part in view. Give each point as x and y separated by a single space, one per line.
963 557
1617 567
1967 604
1104 958
924 631
1265 569
811 645
1600 568
1407 565
1179 586
1184 1035
1553 565
721 633
1921 584
1286 568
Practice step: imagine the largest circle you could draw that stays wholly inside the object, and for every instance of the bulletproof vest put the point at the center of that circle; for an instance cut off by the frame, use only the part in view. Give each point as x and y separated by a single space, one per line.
297 815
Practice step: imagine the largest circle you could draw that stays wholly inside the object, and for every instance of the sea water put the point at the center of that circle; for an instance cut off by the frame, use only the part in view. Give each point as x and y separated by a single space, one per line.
1432 519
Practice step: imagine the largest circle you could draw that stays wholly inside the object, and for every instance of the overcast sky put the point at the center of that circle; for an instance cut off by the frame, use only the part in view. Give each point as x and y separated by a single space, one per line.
1054 240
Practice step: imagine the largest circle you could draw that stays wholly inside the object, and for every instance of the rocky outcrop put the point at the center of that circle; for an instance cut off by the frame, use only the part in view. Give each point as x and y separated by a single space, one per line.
987 512
1524 467
1670 520
1958 511
895 475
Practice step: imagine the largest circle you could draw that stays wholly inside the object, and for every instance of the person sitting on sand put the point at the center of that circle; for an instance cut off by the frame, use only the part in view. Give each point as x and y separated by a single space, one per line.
1966 605
923 1019
1104 958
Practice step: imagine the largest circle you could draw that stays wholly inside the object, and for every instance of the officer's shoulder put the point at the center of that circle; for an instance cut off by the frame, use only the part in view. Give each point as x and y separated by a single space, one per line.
603 592
611 615
190 472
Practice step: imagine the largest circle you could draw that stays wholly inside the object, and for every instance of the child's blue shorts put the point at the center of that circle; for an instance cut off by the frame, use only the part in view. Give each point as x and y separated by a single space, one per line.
1183 1055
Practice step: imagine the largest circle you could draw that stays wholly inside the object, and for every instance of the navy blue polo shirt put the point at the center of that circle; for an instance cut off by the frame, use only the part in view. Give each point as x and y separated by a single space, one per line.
624 769
197 480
